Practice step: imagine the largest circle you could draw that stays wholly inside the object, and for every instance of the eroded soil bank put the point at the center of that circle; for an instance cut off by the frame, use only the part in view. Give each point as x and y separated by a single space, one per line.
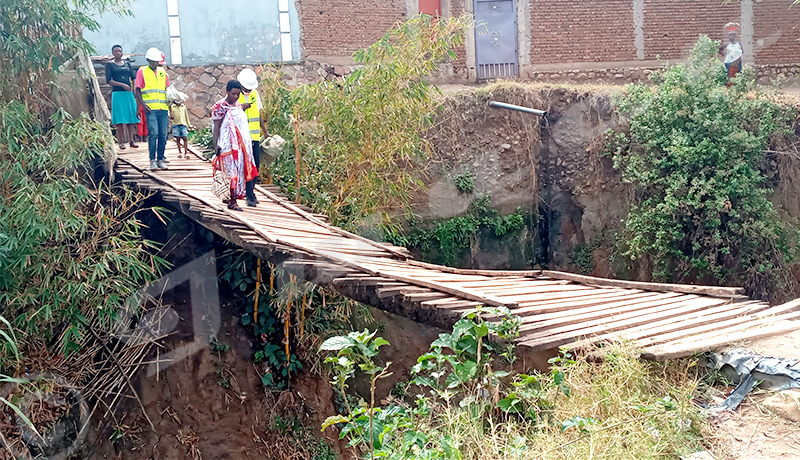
556 170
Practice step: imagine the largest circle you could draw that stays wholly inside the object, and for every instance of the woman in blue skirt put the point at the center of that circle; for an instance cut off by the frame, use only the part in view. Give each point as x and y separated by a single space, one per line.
123 105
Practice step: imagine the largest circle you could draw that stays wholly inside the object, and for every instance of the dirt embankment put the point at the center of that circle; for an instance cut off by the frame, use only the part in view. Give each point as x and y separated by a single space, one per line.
551 167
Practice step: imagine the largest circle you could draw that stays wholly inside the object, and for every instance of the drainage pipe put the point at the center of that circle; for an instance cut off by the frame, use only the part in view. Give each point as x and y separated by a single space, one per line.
519 108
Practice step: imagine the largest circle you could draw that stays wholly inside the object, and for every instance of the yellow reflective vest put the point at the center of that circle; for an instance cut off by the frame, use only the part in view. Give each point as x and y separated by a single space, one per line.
154 93
253 115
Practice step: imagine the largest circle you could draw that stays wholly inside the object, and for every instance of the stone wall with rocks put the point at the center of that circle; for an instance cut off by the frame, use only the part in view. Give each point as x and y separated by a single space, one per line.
206 84
622 75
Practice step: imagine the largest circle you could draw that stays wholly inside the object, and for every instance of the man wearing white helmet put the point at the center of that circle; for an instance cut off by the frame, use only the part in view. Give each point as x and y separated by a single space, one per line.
151 94
251 104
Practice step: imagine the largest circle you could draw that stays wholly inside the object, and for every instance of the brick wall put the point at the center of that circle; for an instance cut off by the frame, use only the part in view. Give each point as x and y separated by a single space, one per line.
569 31
581 31
671 27
340 27
454 10
776 31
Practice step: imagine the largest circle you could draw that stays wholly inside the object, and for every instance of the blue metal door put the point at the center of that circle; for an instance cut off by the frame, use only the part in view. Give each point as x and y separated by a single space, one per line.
496 38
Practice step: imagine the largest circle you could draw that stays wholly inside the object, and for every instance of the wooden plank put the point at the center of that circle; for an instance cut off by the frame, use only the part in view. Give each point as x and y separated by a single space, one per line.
469 271
507 281
578 314
362 280
558 336
450 302
709 320
424 296
623 311
403 289
669 329
661 287
568 300
527 289
760 316
671 351
656 314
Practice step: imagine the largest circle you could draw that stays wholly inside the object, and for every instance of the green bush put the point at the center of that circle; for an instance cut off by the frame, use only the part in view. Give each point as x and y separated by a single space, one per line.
694 154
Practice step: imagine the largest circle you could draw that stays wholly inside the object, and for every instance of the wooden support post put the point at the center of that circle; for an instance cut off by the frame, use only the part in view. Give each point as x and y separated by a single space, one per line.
258 290
296 156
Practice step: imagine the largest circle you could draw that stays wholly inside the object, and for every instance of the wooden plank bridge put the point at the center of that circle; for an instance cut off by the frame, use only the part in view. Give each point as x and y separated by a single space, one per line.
557 309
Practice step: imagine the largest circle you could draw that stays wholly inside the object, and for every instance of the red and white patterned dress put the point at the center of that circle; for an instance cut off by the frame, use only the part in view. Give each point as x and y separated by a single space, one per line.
236 147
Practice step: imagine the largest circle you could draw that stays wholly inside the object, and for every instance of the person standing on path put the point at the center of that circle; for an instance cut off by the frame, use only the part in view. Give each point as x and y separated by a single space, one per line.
119 74
251 104
232 145
180 127
151 93
733 53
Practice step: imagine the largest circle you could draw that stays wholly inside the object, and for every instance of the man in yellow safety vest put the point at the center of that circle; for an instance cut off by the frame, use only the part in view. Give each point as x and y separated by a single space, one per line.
151 94
251 104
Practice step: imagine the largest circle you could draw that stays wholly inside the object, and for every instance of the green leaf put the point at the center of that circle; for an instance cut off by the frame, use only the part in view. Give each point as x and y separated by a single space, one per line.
465 371
333 420
336 343
20 414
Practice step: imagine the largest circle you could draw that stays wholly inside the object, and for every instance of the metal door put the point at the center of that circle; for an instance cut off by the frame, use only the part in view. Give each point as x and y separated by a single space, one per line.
496 38
432 7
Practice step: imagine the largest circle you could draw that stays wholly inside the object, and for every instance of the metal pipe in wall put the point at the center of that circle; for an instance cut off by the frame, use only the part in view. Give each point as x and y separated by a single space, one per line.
519 108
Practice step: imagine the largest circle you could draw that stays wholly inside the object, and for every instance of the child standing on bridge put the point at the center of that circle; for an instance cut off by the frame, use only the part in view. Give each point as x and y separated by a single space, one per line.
180 127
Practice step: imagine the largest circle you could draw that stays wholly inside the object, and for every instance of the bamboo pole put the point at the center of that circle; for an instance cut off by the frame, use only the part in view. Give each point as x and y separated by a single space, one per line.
258 290
296 156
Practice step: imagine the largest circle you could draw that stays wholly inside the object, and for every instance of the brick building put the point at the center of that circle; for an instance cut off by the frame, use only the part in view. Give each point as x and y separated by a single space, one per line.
562 34
615 41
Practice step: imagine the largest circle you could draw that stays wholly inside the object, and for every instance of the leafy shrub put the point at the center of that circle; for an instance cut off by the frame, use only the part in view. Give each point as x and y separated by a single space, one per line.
693 153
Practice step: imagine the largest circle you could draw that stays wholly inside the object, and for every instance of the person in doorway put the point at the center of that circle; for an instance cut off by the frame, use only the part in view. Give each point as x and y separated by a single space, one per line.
151 93
180 127
733 53
232 143
251 104
119 74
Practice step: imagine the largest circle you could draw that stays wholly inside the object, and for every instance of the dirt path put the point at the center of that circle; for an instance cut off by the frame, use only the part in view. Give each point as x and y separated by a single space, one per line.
752 432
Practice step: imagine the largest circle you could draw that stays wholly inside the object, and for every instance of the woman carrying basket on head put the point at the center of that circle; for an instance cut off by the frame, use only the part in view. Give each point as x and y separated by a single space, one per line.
233 146
733 52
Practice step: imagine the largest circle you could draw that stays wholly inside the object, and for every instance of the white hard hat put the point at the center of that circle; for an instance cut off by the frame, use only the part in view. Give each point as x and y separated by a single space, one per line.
248 79
153 54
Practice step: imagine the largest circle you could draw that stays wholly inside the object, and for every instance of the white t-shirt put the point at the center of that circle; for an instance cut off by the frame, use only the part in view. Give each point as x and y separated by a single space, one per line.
734 52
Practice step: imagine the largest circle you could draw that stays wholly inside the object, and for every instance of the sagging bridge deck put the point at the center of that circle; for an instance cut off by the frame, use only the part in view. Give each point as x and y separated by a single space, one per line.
558 309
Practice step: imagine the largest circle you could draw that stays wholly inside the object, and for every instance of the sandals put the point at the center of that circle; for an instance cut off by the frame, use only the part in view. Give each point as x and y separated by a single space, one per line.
134 145
233 206
180 155
122 146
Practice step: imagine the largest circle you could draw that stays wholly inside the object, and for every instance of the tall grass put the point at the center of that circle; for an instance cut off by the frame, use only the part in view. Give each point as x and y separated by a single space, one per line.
359 136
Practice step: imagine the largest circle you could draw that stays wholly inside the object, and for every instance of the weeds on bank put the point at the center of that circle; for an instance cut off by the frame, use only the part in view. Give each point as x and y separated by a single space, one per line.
468 406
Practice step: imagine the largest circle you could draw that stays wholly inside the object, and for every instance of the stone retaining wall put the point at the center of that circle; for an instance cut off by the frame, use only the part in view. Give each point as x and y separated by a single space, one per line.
206 84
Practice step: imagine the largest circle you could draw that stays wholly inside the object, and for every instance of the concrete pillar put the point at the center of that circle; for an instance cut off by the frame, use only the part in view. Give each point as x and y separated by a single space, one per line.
469 42
746 33
412 8
638 28
523 35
